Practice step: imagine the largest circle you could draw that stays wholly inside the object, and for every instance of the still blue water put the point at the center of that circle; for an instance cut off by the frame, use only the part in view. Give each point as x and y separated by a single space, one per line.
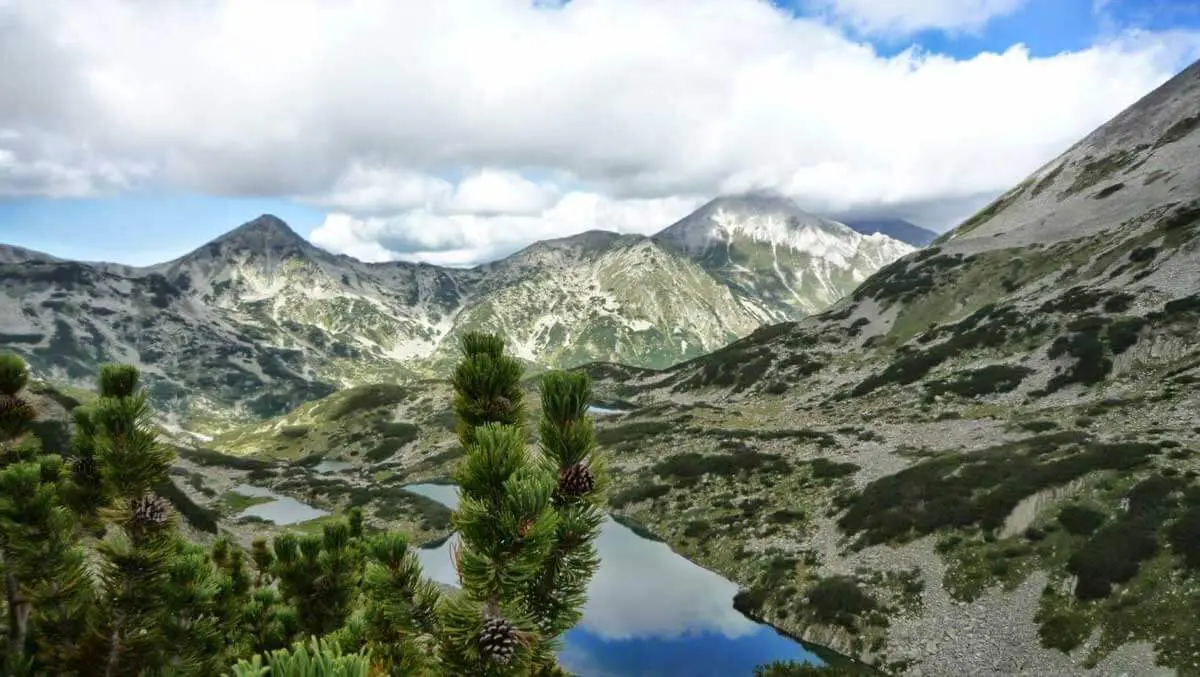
650 612
280 509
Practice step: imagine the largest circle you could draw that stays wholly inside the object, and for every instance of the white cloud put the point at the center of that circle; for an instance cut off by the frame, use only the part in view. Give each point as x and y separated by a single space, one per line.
33 166
903 17
458 239
492 192
379 190
558 118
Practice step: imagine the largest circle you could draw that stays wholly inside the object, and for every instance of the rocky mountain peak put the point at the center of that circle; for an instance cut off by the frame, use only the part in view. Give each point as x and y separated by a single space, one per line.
266 239
267 232
772 220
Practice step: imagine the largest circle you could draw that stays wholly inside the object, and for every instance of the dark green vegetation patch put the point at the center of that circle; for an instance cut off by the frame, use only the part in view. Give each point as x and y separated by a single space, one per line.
1114 552
905 279
688 467
996 378
980 489
1095 170
746 362
989 327
364 398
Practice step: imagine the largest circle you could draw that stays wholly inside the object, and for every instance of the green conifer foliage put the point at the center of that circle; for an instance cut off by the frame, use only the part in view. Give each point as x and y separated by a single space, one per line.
526 520
87 493
557 594
319 575
142 540
46 593
319 658
158 606
399 621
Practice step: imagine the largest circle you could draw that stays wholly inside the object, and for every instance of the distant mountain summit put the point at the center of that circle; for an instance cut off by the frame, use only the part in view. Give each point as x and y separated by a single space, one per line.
897 229
259 319
769 248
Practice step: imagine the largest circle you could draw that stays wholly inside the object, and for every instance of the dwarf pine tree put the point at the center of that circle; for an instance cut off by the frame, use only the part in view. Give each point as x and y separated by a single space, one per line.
141 540
158 606
527 522
46 593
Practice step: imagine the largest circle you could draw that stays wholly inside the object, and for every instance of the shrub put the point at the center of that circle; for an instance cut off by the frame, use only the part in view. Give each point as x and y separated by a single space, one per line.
838 600
385 449
647 491
400 433
956 490
1080 520
997 378
1184 537
208 457
823 468
798 669
689 465
294 431
988 327
750 602
1063 630
1112 555
785 516
1038 426
364 398
611 435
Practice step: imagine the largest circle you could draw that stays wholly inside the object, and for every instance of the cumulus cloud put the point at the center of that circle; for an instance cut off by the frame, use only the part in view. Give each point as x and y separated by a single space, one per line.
33 166
909 16
453 130
466 239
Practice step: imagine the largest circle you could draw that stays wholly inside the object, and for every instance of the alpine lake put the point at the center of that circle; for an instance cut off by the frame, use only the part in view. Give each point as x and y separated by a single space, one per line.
650 612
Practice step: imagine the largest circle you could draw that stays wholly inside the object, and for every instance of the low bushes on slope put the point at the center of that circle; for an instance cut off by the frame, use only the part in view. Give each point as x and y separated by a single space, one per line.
988 327
996 378
979 489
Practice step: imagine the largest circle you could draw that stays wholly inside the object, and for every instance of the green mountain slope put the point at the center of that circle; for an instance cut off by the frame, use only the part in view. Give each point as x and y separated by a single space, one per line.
988 453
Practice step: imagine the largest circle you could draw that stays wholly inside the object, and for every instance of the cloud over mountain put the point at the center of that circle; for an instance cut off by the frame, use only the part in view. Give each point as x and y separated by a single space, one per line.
475 119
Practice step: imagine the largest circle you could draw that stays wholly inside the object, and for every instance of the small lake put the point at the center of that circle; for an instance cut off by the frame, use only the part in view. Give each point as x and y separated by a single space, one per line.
650 612
281 510
604 411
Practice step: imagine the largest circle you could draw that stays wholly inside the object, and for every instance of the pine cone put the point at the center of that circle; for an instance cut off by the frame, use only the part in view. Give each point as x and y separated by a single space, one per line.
15 414
499 408
84 466
149 511
497 640
576 480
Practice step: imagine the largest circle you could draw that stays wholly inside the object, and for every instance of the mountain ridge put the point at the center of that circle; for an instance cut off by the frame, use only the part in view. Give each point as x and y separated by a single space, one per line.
277 319
897 229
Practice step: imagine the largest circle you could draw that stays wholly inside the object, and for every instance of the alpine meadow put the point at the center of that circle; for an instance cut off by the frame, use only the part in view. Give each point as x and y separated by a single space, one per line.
642 396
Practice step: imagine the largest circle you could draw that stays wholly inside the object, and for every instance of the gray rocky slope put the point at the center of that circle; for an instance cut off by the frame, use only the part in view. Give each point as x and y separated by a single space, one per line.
259 320
983 461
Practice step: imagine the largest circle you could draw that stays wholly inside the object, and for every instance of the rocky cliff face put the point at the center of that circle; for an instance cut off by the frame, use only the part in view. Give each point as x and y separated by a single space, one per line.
259 320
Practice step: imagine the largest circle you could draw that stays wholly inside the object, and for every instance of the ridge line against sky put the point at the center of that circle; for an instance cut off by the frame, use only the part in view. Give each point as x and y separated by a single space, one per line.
461 131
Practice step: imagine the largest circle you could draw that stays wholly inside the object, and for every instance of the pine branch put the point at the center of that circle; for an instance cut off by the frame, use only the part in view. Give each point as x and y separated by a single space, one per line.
558 592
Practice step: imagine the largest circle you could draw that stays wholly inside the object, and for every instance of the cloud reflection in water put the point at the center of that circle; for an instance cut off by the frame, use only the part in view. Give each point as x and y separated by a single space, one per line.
649 611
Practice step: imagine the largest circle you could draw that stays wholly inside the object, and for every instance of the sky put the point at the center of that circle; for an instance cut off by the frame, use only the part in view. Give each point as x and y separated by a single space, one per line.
459 131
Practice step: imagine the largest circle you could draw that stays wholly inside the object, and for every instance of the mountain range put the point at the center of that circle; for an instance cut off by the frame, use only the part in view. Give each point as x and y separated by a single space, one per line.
277 321
897 229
